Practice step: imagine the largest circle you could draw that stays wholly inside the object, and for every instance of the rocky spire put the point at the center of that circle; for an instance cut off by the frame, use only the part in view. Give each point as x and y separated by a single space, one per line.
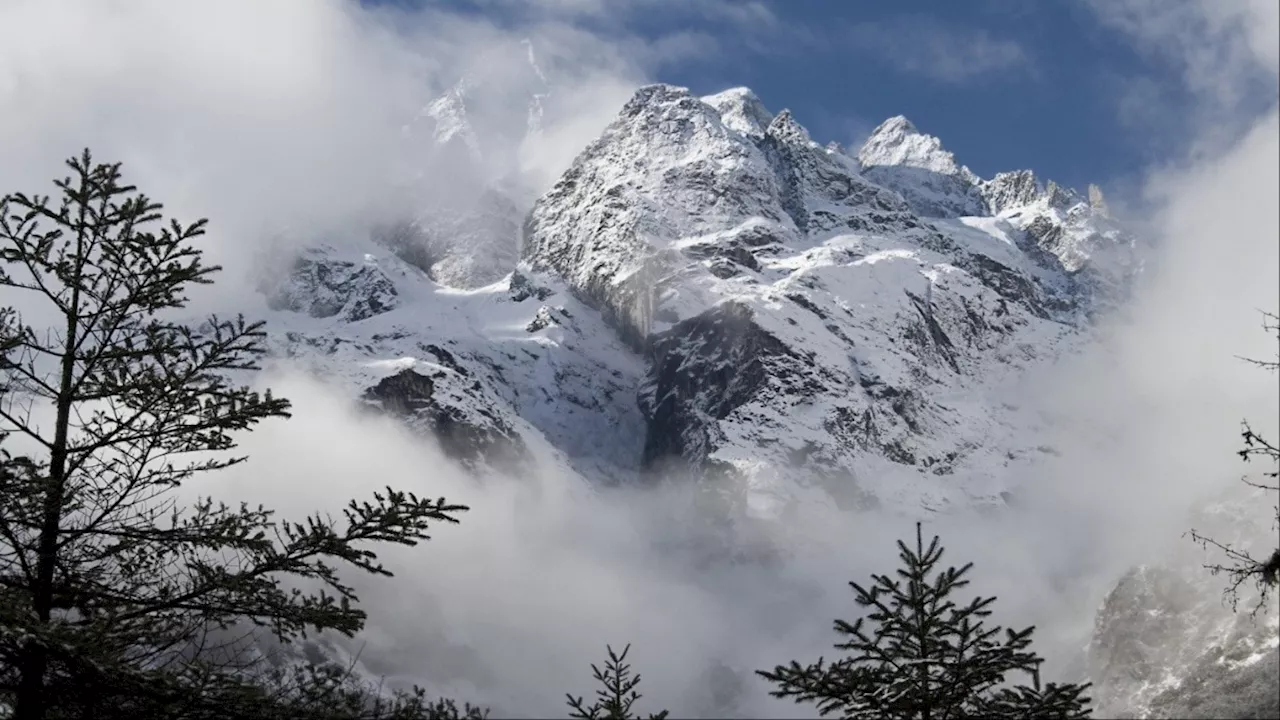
1098 202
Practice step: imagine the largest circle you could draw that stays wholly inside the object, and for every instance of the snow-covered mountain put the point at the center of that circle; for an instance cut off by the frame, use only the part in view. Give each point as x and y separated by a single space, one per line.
708 286
708 294
801 317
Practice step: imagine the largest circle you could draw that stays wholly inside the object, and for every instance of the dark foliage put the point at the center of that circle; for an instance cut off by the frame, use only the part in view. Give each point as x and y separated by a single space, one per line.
920 654
616 695
111 591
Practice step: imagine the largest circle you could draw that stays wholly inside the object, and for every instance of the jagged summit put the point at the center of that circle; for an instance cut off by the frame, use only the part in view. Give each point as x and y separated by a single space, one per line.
915 164
1078 230
898 124
741 110
711 243
785 127
897 142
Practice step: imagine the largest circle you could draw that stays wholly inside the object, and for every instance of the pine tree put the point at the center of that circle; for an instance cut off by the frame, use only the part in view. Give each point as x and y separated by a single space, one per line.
111 593
617 693
919 654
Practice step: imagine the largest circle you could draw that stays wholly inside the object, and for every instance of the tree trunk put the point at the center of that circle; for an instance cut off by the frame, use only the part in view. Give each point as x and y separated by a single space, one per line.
31 702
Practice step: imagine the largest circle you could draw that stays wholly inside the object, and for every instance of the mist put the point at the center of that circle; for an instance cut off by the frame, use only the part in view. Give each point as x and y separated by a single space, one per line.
295 121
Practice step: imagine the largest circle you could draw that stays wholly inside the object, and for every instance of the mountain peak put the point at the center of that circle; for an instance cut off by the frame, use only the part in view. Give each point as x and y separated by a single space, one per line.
785 127
916 165
896 125
897 141
656 92
741 110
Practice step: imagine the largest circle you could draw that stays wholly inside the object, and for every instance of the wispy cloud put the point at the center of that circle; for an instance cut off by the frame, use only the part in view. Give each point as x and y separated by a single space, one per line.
950 55
1166 387
674 31
1212 67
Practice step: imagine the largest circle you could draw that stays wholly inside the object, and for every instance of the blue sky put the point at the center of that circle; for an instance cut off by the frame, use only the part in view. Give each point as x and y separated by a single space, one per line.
1006 84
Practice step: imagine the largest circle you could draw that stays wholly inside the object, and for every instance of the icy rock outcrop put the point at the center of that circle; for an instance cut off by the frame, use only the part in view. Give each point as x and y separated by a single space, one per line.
474 435
1164 647
741 110
510 376
1100 254
468 244
475 246
1078 231
322 287
1166 644
1011 190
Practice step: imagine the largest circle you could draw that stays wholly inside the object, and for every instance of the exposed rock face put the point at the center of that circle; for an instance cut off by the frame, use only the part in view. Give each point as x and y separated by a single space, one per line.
710 364
1165 648
1009 191
475 437
741 110
1078 231
1166 645
505 376
322 287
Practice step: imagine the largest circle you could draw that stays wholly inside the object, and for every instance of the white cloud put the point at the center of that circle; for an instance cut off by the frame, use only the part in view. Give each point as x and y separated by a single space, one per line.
950 55
1218 46
267 117
511 606
668 40
1224 54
